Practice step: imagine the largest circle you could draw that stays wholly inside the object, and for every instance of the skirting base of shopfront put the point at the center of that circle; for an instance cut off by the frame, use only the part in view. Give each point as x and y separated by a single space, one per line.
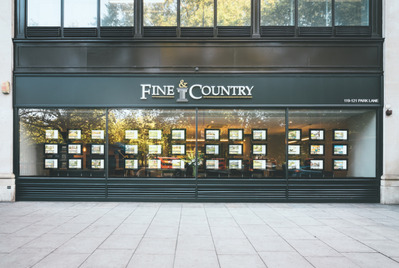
7 187
201 190
390 189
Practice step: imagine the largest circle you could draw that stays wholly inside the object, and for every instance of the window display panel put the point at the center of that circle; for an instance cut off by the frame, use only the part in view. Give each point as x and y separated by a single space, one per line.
66 135
314 13
44 13
160 12
78 13
352 12
233 12
117 13
162 144
336 143
196 13
278 12
241 143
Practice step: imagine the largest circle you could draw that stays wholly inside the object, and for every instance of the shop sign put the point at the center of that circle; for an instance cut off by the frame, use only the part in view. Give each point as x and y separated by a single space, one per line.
185 92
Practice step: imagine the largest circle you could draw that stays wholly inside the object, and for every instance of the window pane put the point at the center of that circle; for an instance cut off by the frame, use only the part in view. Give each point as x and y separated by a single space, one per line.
314 13
234 13
78 13
160 12
333 143
44 13
241 143
62 142
278 13
352 12
152 143
117 13
196 13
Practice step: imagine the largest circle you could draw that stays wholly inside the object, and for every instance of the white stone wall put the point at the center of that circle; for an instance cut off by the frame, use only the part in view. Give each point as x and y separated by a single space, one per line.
7 180
390 179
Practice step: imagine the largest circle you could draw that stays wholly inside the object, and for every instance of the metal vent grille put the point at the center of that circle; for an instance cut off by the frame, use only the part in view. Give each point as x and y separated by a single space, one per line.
353 31
277 31
315 31
117 31
196 32
160 32
80 32
43 31
227 31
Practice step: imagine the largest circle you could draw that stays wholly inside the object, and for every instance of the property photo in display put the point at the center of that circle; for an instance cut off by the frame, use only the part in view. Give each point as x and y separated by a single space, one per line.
97 163
340 134
316 134
97 134
179 149
316 149
74 134
154 164
212 149
75 163
259 149
177 164
340 149
317 164
340 164
51 148
235 149
294 134
236 134
212 164
235 163
131 149
294 149
50 163
97 149
155 149
131 134
155 134
294 164
51 134
178 134
131 164
212 134
74 148
259 134
259 164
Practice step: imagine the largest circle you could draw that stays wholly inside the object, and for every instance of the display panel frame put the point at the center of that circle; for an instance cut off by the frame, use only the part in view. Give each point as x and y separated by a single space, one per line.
344 132
181 152
97 134
155 134
135 166
78 165
216 164
101 166
236 132
259 161
131 152
50 160
154 162
210 132
159 151
180 134
316 164
317 134
93 149
208 146
240 160
296 136
72 151
182 164
131 134
260 131
257 152
296 151
294 162
51 134
340 169
312 148
339 154
53 145
233 151
72 132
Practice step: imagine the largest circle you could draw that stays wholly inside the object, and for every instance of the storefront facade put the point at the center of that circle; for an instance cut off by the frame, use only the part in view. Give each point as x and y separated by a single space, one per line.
253 112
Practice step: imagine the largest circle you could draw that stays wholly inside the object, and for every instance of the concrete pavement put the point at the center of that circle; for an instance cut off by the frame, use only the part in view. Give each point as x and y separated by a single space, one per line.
151 235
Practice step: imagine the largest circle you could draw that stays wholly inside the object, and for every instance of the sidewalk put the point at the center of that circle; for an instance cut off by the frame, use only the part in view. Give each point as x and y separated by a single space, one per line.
151 235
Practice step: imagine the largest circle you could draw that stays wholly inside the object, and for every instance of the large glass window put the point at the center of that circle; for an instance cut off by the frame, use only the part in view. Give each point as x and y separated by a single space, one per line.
234 12
152 143
160 12
278 12
332 143
241 143
352 12
314 13
78 13
44 13
62 142
117 13
196 13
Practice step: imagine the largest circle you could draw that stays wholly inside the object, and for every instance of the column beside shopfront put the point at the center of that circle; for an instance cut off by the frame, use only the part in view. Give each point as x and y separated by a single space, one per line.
390 178
7 178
